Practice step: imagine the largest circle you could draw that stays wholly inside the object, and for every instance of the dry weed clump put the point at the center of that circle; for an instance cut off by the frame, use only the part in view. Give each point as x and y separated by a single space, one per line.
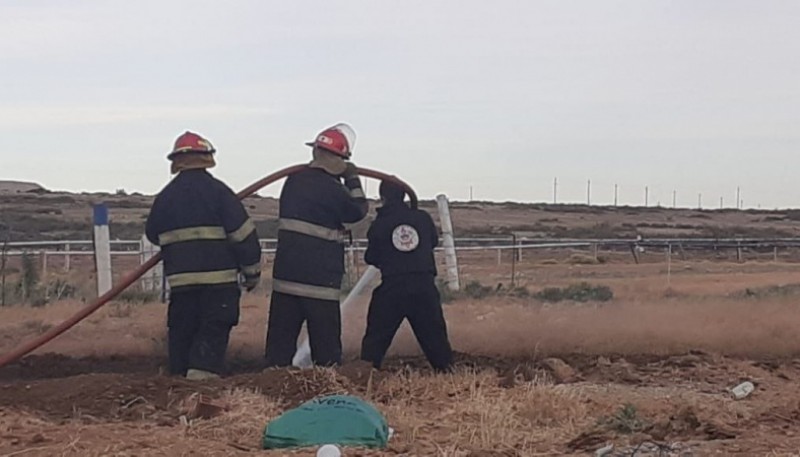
468 412
583 259
320 382
246 414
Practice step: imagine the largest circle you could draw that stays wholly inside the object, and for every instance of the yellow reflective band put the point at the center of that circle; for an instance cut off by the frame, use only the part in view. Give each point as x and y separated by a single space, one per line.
305 290
239 235
307 228
202 278
191 234
357 193
251 270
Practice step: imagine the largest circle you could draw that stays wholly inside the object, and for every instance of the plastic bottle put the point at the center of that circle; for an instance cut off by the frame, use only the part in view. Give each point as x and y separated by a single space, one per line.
743 390
329 450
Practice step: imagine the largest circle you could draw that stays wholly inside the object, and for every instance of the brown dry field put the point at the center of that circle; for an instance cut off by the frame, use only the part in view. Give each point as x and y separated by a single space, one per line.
532 378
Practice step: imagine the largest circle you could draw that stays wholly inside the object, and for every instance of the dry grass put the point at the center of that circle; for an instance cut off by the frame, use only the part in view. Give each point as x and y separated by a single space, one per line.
698 310
443 415
510 328
247 413
582 259
469 412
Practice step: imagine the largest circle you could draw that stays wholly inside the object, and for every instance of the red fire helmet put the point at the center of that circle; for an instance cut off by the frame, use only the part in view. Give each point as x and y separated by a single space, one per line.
191 142
339 139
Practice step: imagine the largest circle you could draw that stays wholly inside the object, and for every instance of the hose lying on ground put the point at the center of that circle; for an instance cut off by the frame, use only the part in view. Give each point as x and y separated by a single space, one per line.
31 345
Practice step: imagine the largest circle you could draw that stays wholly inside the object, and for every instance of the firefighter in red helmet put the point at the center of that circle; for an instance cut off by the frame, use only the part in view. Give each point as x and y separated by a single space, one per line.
210 248
309 262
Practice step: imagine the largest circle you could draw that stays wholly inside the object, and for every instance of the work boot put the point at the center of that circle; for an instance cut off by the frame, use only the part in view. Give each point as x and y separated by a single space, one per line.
200 375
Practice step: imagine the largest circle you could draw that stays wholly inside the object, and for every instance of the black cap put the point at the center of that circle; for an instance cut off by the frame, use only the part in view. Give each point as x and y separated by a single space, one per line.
391 191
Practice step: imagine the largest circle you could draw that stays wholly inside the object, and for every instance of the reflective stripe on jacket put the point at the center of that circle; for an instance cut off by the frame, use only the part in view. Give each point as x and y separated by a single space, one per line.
205 234
314 206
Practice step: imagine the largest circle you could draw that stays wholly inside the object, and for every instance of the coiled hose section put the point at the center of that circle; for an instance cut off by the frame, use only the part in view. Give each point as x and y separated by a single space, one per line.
31 345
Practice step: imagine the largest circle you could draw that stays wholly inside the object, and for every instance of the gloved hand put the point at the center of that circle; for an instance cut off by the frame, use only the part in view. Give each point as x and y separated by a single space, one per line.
251 282
350 171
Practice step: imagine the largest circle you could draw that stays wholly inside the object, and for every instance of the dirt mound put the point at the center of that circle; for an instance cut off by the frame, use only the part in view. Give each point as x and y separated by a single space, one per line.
127 397
293 386
567 404
98 396
53 365
685 423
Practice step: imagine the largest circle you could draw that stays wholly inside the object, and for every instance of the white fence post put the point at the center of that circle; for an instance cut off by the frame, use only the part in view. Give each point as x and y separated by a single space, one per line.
448 243
102 249
151 281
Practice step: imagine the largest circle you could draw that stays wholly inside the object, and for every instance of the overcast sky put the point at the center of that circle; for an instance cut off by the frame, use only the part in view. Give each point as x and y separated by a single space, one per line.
687 95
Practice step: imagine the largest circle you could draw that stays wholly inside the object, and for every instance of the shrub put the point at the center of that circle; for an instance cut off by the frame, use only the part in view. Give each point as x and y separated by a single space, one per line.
139 296
784 290
478 291
626 420
475 289
445 293
582 292
30 276
792 215
582 259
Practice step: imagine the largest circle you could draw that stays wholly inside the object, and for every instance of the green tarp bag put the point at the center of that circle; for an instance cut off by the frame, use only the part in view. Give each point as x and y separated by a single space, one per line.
337 419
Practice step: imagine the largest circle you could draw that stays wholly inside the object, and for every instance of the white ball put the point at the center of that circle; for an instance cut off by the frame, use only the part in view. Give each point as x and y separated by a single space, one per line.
329 450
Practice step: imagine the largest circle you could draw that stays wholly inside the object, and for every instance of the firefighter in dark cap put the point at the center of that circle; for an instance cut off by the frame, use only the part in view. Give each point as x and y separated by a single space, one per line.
401 245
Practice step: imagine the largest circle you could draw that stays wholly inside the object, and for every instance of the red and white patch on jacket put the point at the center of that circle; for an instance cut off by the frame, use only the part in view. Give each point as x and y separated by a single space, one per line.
405 238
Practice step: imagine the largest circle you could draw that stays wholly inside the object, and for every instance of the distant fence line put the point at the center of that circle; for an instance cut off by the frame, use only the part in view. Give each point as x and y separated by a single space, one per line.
121 247
153 280
69 248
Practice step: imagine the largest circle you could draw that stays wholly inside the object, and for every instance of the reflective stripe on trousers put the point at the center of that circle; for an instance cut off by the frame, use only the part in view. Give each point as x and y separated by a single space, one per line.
203 277
305 290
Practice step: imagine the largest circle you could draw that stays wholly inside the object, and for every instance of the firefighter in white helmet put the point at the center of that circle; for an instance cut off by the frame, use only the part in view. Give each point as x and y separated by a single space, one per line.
309 262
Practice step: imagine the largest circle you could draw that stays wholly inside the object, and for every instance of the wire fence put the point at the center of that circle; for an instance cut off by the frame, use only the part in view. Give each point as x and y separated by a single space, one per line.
63 256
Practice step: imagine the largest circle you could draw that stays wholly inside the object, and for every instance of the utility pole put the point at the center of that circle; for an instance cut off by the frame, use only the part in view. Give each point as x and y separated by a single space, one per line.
646 195
674 198
3 263
699 201
615 194
720 203
738 198
555 191
589 192
470 193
